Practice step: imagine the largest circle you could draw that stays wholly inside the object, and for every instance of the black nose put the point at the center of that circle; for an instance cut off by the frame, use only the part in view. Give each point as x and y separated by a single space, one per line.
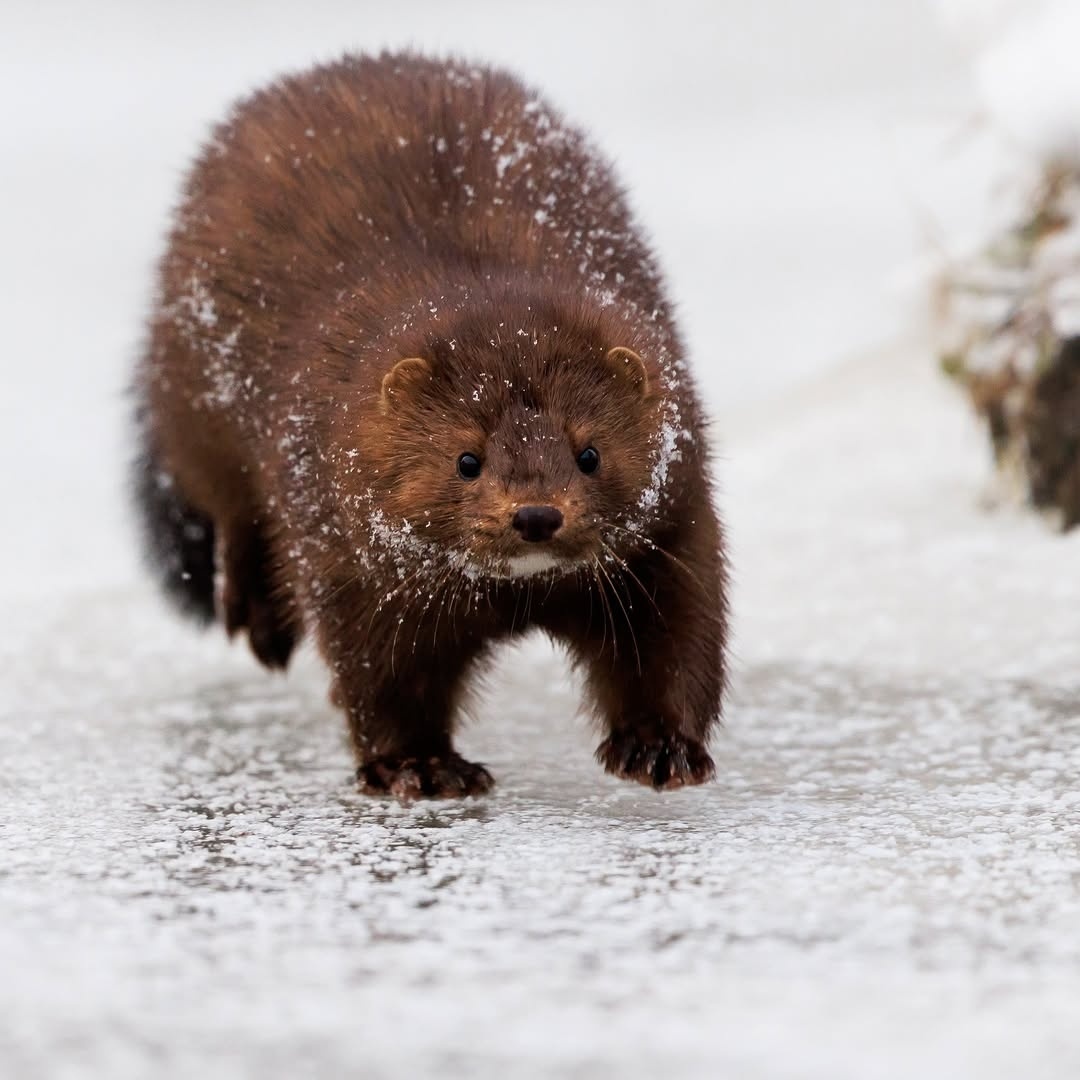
537 522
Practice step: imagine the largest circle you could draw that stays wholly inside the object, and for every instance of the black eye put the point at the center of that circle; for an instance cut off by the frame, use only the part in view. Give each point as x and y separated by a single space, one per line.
468 466
588 461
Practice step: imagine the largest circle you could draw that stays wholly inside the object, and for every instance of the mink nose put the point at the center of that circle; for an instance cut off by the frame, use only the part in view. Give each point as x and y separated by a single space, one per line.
537 522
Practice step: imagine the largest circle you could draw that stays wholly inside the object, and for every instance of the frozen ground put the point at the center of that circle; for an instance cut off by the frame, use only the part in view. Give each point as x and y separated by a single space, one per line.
884 881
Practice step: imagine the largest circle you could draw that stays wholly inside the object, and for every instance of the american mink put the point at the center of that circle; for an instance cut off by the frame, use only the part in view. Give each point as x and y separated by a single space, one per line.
412 385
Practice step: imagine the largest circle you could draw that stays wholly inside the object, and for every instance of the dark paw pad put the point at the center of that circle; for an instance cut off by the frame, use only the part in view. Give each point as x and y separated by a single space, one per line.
447 777
661 761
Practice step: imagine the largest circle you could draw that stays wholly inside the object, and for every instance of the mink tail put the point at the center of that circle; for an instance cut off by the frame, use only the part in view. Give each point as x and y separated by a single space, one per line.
178 540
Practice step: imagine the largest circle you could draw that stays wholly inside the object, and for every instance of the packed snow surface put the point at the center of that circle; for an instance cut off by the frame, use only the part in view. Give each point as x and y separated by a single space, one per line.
884 881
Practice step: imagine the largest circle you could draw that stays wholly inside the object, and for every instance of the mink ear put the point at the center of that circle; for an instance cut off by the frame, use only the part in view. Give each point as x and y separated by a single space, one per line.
626 364
404 376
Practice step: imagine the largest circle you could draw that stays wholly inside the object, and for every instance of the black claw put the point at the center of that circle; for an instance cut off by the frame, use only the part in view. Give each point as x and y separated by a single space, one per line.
661 770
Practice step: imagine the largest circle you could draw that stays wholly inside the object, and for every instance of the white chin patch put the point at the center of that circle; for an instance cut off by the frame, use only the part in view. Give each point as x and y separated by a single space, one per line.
533 563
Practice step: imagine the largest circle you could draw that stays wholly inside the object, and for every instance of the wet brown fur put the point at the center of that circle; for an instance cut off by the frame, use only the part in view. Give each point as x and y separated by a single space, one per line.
374 211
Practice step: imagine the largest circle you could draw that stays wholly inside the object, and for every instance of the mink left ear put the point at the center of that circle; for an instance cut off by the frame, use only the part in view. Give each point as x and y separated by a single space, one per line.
404 376
626 364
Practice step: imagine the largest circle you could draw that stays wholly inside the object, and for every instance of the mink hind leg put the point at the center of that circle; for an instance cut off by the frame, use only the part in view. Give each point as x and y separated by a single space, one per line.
211 553
252 595
400 698
655 669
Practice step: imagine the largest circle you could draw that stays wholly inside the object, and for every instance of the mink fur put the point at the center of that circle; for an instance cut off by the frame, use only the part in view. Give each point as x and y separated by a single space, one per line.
379 266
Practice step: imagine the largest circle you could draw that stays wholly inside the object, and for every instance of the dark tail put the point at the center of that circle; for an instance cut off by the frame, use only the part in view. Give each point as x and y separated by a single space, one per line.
178 540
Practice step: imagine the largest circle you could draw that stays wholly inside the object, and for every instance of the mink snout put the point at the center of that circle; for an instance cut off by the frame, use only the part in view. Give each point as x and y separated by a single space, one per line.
537 522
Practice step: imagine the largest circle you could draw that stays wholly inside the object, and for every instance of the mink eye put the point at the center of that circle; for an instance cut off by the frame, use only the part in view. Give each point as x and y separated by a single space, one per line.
588 461
468 466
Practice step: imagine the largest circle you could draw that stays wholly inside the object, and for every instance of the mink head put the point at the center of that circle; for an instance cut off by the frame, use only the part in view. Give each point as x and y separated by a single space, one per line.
516 454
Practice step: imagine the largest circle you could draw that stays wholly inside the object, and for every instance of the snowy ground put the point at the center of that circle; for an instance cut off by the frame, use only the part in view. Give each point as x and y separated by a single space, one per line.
884 881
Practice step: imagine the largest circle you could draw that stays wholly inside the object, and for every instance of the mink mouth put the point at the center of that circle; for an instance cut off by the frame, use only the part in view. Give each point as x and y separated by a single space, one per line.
532 564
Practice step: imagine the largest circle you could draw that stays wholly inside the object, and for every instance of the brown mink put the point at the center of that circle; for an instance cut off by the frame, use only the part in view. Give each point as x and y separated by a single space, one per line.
412 385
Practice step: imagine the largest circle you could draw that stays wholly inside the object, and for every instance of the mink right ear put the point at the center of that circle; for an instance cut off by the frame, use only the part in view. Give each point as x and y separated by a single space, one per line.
626 364
404 376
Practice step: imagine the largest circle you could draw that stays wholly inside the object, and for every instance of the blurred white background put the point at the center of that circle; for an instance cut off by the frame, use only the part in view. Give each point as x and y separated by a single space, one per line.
883 881
792 161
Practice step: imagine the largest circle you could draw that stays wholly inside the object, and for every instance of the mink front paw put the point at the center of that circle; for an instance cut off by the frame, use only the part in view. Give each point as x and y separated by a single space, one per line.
658 760
446 777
